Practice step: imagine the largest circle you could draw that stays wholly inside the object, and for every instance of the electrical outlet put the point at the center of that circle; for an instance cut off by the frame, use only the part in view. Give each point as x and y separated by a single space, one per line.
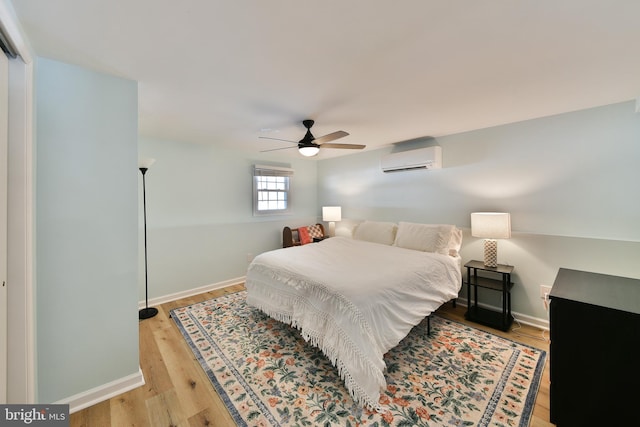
544 295
544 291
249 257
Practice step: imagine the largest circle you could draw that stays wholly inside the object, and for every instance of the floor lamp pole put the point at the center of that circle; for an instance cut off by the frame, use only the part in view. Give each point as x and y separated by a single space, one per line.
146 312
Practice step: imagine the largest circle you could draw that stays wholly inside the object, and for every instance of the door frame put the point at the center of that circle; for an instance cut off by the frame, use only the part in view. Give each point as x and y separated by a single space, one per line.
21 357
4 222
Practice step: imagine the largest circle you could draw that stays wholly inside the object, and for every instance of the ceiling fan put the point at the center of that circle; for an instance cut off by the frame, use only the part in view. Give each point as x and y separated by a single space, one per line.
310 145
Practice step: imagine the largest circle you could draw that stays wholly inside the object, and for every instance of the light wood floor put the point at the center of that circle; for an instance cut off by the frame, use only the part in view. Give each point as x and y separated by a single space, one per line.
178 393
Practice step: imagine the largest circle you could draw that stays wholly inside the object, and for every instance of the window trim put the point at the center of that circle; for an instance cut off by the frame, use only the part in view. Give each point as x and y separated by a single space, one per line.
271 171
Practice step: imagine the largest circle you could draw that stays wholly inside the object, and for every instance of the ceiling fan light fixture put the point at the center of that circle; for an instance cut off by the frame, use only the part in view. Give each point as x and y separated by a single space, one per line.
309 145
308 150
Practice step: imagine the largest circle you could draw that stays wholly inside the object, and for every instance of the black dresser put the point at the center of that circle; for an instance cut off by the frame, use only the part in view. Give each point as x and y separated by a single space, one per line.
594 357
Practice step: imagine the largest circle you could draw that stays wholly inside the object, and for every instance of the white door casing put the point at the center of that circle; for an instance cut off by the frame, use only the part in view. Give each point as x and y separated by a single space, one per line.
18 317
4 114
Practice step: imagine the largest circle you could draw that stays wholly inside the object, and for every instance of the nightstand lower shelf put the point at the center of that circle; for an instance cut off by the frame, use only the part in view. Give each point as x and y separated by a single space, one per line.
484 316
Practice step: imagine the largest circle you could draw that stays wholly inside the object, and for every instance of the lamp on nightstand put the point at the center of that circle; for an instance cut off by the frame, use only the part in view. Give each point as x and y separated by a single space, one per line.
332 214
491 226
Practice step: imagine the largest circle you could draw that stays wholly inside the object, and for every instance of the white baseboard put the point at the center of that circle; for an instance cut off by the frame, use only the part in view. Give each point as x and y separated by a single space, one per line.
191 292
522 318
104 392
531 321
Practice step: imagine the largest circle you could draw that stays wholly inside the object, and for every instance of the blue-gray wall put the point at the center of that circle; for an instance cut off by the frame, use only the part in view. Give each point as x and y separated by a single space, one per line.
86 229
569 181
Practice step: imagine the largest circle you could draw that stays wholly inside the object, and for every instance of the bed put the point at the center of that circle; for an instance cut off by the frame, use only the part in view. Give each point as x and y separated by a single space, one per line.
357 298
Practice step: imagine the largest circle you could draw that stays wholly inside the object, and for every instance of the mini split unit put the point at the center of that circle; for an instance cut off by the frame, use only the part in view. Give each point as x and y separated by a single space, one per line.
423 158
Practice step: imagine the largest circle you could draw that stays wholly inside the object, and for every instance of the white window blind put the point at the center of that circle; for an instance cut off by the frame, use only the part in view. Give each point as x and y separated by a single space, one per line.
271 190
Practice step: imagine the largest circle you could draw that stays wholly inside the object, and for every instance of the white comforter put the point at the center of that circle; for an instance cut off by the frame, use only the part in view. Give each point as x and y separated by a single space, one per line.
353 299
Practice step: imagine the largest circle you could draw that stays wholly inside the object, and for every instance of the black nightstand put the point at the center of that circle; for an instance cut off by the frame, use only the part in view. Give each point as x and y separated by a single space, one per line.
484 316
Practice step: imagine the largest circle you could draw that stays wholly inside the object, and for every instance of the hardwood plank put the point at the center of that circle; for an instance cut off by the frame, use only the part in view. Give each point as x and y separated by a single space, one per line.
96 415
212 416
188 379
165 409
153 365
129 409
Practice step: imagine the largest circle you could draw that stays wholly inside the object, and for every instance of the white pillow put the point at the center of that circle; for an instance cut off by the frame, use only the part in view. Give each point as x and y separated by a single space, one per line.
376 232
455 242
437 238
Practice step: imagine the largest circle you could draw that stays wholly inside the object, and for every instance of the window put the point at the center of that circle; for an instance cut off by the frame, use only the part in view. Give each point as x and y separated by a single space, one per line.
271 190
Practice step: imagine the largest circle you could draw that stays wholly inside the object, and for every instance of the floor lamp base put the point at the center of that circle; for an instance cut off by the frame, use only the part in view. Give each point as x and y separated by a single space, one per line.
147 313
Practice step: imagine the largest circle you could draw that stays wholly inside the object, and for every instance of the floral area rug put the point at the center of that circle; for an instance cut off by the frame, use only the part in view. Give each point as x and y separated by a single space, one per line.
267 375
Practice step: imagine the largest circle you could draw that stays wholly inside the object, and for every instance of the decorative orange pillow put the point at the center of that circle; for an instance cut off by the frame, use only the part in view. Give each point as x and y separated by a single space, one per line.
303 235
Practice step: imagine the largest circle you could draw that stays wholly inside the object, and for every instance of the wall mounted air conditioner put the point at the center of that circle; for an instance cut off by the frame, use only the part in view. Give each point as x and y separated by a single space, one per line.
422 158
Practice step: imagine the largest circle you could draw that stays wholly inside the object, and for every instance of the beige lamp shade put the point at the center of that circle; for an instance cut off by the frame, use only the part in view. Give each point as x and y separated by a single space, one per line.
491 225
331 213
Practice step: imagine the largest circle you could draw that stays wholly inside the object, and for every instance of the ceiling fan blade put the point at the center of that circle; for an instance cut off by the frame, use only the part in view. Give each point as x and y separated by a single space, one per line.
278 139
331 137
276 149
348 146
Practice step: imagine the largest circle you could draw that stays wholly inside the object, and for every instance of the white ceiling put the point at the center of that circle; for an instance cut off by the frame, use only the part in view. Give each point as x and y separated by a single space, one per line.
226 72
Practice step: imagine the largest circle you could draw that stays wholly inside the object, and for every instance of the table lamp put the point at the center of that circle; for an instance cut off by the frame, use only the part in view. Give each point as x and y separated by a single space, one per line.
491 226
332 214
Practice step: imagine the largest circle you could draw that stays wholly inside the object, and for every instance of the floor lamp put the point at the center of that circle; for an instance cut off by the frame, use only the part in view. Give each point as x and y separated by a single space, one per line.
146 312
